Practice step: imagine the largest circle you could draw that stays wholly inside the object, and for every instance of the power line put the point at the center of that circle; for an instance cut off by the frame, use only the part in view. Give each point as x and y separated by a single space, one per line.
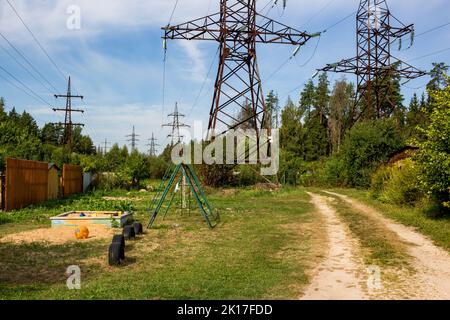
204 82
25 68
37 41
25 86
173 11
20 88
430 54
22 55
433 29
318 13
339 22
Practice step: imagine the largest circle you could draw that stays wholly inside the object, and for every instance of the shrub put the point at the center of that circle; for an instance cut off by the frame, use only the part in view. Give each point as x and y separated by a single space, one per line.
434 154
397 184
365 146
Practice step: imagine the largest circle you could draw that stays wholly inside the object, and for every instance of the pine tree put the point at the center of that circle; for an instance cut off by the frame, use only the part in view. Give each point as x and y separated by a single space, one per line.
322 97
2 110
307 98
291 131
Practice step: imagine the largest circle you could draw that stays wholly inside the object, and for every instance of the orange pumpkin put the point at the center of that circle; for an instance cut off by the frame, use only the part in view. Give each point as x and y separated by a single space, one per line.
82 233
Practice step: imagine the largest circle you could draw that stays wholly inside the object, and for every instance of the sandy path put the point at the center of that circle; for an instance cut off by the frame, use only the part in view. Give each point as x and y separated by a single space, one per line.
337 276
432 264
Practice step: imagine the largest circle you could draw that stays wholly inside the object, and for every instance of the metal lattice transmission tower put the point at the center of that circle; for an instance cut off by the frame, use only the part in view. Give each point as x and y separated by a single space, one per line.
68 124
238 28
176 136
374 64
133 139
152 145
106 146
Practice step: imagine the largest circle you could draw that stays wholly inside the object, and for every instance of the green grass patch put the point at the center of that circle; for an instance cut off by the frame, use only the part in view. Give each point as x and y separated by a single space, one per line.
264 247
379 245
437 229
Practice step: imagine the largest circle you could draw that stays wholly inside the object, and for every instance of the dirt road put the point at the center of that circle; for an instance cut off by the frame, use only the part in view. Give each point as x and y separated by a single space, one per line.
337 277
342 275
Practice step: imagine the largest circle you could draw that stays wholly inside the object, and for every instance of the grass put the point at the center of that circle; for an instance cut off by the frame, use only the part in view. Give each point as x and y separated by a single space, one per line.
265 247
380 246
437 229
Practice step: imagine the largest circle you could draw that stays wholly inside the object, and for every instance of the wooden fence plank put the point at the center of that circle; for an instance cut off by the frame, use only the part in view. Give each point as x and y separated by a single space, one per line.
26 183
72 180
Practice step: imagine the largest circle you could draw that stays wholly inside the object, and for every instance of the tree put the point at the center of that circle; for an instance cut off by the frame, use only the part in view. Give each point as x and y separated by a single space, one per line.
134 169
27 122
273 110
434 154
2 110
341 103
51 134
322 97
365 146
316 119
307 98
438 79
291 131
16 141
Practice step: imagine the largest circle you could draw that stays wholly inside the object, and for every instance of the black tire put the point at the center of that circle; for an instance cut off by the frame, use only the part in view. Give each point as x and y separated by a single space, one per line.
128 232
121 240
114 254
138 228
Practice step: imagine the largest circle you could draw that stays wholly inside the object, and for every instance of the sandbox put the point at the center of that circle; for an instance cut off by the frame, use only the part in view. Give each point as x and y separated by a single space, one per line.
85 218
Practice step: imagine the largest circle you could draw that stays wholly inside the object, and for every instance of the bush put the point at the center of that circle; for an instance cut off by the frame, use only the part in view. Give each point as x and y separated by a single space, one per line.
397 184
434 154
331 172
365 146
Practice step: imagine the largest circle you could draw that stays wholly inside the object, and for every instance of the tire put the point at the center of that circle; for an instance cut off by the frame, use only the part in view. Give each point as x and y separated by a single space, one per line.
128 232
114 254
121 240
138 228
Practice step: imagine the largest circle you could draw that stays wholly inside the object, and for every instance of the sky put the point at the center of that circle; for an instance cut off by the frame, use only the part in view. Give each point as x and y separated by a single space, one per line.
115 57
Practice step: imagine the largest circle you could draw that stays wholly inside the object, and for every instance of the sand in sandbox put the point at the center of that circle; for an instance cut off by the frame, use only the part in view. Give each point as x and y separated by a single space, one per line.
58 235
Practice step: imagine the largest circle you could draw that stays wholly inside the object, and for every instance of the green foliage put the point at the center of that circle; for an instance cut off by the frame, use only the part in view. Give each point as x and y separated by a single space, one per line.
133 170
434 154
20 137
397 184
16 141
365 146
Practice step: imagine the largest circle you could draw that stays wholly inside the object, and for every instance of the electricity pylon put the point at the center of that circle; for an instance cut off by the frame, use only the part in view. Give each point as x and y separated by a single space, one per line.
374 65
106 144
68 124
176 136
152 151
133 139
238 28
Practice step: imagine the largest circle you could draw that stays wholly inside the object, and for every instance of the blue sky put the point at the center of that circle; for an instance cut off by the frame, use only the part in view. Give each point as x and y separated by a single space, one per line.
115 59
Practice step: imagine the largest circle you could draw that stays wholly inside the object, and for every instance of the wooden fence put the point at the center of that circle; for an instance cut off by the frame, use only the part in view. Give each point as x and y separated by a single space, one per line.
72 180
2 191
26 183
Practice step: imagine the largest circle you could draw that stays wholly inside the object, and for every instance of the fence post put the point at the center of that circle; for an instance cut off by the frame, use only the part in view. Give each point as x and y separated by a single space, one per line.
2 191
